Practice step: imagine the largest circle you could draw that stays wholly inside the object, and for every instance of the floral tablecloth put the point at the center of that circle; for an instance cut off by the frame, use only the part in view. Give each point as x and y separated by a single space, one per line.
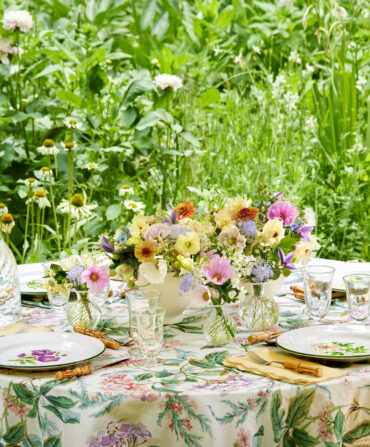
190 399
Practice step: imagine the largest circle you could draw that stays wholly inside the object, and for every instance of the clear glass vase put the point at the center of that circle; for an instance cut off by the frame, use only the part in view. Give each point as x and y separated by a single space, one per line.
84 312
219 327
10 298
258 312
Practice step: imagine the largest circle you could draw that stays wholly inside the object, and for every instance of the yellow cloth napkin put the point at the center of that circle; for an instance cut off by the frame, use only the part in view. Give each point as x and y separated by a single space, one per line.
22 327
278 372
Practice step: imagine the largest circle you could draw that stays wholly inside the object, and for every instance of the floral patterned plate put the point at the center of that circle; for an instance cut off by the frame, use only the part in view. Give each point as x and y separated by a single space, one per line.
333 341
51 350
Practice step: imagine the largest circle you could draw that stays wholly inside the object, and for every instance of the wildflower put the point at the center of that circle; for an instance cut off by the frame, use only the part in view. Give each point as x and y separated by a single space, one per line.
218 271
96 277
247 214
249 228
5 50
309 217
222 219
155 62
91 166
31 181
138 225
200 15
304 231
186 263
200 295
309 69
339 12
360 83
69 146
3 209
238 204
186 283
168 81
286 260
39 196
154 272
20 19
7 222
77 206
256 49
74 274
304 250
261 272
126 190
294 57
185 209
145 251
188 244
157 230
72 123
134 206
106 245
284 211
272 232
238 58
230 237
48 147
44 173
125 271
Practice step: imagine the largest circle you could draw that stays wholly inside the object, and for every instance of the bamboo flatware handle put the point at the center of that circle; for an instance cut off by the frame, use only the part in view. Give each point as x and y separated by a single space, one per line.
77 372
303 368
257 338
109 342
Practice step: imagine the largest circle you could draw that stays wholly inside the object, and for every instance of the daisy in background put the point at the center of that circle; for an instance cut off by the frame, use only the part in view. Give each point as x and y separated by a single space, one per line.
69 146
134 206
91 166
48 147
20 19
39 197
44 173
3 209
165 81
31 182
72 123
77 205
126 190
7 224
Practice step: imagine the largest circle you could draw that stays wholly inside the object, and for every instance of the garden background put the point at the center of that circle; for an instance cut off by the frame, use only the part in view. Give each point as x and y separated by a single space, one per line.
274 95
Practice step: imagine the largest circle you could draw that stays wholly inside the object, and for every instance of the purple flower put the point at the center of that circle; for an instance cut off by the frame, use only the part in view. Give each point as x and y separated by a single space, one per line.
126 431
286 260
249 228
284 211
305 231
74 274
95 441
109 440
43 352
21 355
141 431
106 245
187 282
261 272
47 358
178 229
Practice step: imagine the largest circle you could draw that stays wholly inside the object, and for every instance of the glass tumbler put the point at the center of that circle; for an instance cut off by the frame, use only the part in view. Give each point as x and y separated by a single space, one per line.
358 295
140 299
318 282
150 323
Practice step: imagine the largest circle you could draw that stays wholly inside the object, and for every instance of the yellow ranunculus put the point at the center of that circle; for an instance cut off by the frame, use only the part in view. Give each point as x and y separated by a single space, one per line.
188 244
187 263
138 225
304 250
272 232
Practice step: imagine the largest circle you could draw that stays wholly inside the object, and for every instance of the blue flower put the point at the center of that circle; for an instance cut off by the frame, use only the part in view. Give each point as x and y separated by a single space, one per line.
249 228
74 274
187 282
261 272
122 238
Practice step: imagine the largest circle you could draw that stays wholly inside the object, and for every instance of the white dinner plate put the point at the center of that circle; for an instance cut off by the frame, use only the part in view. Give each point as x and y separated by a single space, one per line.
47 350
333 341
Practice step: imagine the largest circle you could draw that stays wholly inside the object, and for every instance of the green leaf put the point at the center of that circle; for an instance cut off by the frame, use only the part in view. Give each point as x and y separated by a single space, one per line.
224 19
256 441
53 441
209 97
148 14
47 71
24 394
61 401
113 211
66 416
149 120
34 409
217 357
332 444
70 97
145 376
299 407
287 243
190 138
303 439
161 374
277 415
361 431
32 441
128 117
338 425
16 433
289 442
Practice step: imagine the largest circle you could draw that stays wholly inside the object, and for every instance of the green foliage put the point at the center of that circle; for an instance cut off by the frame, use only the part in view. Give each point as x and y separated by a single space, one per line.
272 92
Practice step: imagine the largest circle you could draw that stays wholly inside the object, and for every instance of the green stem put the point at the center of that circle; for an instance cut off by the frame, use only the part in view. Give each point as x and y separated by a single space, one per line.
54 210
32 228
70 190
27 221
38 250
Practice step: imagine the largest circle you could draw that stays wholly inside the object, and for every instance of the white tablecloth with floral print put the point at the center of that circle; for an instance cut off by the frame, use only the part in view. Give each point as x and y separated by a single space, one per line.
190 399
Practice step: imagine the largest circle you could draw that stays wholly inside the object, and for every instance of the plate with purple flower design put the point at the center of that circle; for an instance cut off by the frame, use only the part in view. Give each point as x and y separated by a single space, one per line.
40 351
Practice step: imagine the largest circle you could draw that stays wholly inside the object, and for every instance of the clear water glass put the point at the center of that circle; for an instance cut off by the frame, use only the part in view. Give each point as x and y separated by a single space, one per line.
358 295
100 298
318 283
140 299
59 301
150 323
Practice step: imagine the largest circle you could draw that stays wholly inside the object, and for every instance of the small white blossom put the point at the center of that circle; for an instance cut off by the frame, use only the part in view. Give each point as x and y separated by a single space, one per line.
238 58
44 173
200 15
31 181
217 50
290 100
294 57
309 69
134 206
91 166
256 49
3 209
339 12
126 190
168 81
48 147
76 206
39 197
14 69
72 123
17 19
360 83
155 61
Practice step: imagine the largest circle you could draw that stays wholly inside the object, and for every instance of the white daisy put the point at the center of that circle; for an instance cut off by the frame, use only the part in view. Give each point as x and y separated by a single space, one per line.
43 173
77 206
69 146
31 181
7 223
72 123
91 166
39 196
134 206
126 190
48 147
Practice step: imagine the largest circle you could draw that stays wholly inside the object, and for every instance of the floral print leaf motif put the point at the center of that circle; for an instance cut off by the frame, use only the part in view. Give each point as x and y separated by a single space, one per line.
338 425
217 357
361 431
302 438
23 393
141 377
336 348
277 415
299 407
16 433
257 437
53 441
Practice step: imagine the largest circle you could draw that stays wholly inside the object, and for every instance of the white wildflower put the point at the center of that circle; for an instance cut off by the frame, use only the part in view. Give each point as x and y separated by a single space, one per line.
238 58
44 173
360 83
48 147
72 123
14 69
134 206
294 57
3 209
126 190
168 81
77 206
91 166
17 19
217 50
39 196
339 12
155 61
7 223
256 49
290 100
69 146
31 181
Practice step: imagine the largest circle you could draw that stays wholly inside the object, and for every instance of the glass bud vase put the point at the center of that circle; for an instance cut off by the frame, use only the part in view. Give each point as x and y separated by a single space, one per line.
10 297
257 311
84 312
219 328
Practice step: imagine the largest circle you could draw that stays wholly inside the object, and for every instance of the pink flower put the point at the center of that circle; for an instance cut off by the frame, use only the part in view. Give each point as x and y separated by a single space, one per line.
218 271
244 438
96 277
157 230
200 296
211 254
284 211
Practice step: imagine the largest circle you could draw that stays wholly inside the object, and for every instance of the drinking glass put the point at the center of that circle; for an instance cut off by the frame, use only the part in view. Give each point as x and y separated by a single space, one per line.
100 298
318 282
59 301
150 323
140 299
358 295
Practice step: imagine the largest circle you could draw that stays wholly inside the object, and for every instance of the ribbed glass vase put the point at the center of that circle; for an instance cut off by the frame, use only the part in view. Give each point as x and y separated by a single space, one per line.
219 328
84 312
10 298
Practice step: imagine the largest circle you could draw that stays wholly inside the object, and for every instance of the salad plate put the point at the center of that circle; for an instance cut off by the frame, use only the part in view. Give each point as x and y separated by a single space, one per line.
45 351
339 342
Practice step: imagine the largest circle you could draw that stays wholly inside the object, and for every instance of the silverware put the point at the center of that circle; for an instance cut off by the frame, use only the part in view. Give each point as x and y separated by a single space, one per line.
297 325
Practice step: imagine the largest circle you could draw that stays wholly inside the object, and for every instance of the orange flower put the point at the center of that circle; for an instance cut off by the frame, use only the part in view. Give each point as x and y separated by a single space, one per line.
145 251
247 214
185 209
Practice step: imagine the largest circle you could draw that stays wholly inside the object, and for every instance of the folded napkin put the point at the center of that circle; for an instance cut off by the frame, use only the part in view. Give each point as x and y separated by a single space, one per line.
278 372
22 327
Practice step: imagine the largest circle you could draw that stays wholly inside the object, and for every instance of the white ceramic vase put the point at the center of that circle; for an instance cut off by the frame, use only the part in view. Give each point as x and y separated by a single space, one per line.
271 288
171 300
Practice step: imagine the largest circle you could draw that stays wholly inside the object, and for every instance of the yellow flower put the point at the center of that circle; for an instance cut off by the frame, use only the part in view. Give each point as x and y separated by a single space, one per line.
187 263
133 240
272 232
188 244
238 204
223 219
304 251
138 226
145 251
